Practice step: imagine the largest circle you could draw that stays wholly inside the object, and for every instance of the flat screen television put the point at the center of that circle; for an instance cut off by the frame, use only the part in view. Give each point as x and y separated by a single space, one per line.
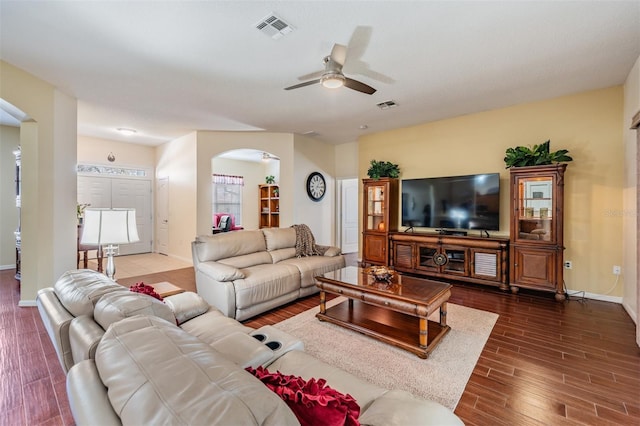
453 202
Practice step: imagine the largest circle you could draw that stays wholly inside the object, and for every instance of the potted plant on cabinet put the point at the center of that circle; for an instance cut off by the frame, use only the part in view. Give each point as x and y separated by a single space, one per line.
538 155
380 169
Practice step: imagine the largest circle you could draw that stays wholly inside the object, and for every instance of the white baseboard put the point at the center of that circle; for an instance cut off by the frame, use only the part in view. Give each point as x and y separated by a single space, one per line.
631 312
27 303
5 267
594 296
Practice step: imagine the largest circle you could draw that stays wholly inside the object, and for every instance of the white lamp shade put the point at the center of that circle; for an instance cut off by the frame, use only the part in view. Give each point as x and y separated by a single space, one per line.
109 226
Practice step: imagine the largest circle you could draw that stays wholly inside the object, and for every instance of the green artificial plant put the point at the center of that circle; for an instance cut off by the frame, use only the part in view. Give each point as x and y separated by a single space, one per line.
270 179
381 169
538 155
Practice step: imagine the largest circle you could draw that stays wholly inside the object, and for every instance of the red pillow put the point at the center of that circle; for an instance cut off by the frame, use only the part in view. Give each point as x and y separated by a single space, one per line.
313 403
145 289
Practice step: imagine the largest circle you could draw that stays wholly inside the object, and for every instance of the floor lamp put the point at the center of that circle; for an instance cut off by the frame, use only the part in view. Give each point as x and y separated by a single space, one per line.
109 227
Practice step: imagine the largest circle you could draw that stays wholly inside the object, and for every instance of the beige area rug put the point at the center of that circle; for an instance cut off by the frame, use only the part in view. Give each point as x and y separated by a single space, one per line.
442 377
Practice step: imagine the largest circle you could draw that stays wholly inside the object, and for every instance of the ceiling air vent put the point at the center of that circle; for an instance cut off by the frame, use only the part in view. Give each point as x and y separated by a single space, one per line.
387 104
273 26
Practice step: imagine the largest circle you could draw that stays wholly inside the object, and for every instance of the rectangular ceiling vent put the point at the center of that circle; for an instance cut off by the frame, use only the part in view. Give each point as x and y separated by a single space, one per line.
311 133
387 104
273 26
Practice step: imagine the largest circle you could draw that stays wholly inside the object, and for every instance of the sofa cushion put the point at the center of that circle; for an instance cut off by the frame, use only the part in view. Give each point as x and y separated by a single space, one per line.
213 326
312 266
116 306
186 306
279 238
202 387
247 260
80 289
226 244
265 282
282 254
220 271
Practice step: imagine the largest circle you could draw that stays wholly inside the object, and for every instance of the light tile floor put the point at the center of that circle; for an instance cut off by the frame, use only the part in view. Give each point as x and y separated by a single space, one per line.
142 264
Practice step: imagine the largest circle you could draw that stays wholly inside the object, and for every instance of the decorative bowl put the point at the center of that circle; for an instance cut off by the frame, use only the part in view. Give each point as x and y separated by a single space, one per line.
381 273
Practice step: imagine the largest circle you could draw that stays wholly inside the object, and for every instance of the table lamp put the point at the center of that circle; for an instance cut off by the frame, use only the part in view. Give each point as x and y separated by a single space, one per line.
109 227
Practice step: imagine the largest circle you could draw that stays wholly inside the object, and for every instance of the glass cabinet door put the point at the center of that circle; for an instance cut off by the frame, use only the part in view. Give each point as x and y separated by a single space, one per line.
376 208
535 209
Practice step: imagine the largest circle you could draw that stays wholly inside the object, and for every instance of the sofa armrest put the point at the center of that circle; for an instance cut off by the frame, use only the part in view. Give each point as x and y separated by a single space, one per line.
243 350
398 407
56 321
220 271
84 336
88 397
219 294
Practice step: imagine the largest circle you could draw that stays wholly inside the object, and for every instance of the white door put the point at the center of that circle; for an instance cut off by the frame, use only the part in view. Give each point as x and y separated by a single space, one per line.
134 193
162 197
106 192
349 216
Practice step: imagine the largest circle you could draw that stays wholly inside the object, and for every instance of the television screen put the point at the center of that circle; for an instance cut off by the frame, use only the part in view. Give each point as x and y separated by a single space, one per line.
456 202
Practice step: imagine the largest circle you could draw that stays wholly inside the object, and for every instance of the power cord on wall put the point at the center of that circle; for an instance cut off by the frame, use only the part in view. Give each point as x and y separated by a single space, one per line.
583 298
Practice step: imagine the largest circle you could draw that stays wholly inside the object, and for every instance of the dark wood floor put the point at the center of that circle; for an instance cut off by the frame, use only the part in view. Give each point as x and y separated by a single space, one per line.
545 362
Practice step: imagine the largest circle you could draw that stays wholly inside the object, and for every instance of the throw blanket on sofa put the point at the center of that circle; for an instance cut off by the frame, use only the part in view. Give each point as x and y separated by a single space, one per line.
306 243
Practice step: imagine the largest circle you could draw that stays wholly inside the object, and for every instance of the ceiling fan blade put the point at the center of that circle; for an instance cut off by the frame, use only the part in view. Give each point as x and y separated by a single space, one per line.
339 53
311 75
359 86
306 83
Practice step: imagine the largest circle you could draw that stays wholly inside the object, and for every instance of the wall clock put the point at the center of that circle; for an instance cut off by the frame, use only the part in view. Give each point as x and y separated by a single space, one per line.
316 186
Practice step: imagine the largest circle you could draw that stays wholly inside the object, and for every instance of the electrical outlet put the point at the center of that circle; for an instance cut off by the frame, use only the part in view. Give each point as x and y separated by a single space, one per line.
616 270
568 264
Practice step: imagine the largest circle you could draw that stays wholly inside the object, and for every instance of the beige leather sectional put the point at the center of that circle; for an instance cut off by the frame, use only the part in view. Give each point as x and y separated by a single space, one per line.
181 361
245 273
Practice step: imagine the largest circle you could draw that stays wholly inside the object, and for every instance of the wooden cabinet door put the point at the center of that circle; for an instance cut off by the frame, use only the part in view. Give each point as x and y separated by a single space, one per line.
485 264
534 267
374 248
403 255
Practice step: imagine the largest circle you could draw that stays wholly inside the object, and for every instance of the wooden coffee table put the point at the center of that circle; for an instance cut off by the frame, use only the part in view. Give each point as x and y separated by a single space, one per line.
166 288
394 312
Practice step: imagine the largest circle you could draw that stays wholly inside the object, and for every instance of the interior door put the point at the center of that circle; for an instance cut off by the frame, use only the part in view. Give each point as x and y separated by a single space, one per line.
106 192
162 196
134 193
349 216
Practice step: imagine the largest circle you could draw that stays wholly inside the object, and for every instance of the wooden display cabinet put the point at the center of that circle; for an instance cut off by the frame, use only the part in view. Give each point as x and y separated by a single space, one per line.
379 218
269 205
537 243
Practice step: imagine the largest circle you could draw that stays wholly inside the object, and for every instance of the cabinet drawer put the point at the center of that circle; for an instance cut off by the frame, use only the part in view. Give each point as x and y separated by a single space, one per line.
396 305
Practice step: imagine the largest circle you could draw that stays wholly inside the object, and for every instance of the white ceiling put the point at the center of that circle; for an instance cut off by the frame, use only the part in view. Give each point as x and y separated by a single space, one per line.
167 68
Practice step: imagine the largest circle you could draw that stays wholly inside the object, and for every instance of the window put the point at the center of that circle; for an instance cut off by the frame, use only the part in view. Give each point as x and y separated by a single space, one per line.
227 196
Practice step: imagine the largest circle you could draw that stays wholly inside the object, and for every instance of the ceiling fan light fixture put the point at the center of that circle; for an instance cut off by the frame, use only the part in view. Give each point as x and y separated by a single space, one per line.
332 81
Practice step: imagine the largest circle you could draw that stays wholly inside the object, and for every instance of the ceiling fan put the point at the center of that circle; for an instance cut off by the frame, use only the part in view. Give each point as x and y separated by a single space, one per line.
332 76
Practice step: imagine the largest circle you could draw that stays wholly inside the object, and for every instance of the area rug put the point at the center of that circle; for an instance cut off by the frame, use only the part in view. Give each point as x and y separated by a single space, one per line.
442 377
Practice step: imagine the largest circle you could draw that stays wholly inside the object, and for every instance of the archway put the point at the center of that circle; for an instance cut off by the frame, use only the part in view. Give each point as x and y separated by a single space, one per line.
238 173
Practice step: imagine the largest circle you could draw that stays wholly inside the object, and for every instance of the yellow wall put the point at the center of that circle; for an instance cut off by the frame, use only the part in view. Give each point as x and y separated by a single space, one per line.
587 124
176 161
49 191
93 150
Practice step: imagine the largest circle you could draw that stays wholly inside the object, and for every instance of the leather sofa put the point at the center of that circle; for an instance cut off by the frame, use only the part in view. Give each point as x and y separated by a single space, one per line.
68 311
245 273
148 371
137 360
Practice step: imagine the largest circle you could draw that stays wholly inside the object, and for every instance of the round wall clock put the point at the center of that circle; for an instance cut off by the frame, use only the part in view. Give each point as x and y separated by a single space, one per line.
316 186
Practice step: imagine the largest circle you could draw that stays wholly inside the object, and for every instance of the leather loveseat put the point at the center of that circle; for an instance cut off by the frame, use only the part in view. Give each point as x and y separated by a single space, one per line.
248 272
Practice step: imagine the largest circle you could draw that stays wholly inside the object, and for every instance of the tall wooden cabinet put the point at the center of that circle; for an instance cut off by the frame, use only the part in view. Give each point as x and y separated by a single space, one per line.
269 206
379 218
537 244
